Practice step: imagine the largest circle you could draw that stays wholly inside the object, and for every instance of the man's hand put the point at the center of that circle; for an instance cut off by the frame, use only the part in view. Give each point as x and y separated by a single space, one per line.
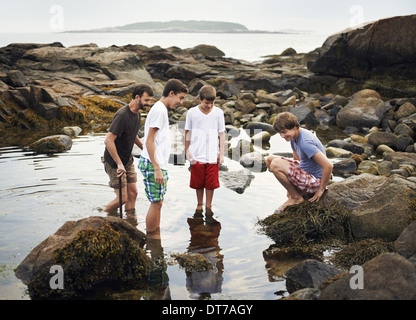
120 170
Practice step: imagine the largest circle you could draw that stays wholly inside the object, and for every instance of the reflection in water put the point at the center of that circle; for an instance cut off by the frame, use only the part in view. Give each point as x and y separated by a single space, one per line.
204 240
40 193
158 281
157 285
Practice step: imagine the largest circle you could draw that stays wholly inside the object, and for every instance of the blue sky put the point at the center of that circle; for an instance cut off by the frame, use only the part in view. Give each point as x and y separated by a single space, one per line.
23 16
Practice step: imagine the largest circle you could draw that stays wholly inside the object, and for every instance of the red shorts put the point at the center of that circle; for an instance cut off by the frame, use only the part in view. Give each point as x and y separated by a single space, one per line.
205 176
301 179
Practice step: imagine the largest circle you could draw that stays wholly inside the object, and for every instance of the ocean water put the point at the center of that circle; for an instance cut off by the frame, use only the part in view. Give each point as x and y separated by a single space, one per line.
40 193
250 46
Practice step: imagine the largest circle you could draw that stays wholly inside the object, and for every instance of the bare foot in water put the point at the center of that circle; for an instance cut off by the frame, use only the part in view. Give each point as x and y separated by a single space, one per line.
291 202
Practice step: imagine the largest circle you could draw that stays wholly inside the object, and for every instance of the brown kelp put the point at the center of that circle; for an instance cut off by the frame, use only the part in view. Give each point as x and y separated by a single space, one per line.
308 223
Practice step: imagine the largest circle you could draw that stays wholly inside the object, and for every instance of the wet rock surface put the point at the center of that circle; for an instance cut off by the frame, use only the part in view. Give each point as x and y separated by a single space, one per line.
91 251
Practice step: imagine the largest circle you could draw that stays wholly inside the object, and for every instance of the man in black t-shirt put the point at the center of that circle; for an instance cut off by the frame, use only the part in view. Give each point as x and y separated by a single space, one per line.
118 160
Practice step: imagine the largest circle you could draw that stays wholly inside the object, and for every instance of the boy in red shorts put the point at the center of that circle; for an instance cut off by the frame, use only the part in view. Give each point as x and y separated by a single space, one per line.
204 146
308 174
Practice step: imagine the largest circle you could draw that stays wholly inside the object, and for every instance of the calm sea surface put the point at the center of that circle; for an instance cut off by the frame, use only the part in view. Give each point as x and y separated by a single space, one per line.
40 193
250 47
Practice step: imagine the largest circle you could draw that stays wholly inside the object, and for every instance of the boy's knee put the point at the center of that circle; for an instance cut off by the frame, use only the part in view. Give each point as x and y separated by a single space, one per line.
274 163
269 160
157 204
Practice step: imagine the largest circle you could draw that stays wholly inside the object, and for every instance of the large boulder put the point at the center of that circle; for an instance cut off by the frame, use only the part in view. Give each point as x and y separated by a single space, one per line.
100 64
379 206
377 48
362 112
90 251
388 276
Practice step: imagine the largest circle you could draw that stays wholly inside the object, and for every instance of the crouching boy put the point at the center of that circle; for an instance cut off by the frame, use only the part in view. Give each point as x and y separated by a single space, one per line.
308 174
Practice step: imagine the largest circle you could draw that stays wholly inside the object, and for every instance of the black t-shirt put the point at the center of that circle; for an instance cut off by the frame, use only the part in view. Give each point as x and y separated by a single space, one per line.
125 125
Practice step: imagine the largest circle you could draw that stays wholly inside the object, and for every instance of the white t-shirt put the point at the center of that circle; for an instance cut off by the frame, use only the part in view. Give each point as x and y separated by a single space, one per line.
158 118
204 145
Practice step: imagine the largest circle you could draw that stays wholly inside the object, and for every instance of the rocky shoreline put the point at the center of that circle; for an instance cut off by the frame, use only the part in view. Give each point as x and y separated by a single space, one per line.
44 88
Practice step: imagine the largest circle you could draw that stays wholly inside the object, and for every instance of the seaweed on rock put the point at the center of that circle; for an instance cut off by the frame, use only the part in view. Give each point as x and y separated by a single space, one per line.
360 252
94 257
308 223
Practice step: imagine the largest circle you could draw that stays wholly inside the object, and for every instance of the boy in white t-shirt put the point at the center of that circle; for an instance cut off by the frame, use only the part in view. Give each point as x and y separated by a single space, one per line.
156 151
204 146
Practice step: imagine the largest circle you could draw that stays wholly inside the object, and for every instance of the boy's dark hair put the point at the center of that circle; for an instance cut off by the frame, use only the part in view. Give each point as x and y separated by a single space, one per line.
174 85
285 121
140 89
207 93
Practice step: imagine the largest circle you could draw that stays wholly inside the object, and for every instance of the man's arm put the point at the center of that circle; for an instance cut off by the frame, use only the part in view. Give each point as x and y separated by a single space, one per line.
111 147
327 167
150 145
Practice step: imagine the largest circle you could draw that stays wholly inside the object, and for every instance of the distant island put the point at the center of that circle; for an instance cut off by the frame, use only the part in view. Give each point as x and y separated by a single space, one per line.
176 26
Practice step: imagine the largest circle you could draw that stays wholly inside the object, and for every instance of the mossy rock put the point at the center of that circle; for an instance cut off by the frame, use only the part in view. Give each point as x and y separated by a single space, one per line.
193 262
52 144
110 256
360 252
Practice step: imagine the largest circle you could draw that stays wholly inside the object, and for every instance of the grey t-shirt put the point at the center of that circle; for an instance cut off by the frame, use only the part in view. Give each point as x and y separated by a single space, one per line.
125 125
306 147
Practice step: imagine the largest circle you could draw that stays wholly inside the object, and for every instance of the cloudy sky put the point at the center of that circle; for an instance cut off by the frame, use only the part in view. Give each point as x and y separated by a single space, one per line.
23 16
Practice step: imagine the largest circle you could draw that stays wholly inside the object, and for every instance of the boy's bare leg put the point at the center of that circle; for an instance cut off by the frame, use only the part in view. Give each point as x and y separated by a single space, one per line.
280 168
200 198
152 235
153 216
209 197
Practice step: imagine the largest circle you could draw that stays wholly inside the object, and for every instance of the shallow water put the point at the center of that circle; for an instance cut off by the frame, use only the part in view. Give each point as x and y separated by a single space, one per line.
40 193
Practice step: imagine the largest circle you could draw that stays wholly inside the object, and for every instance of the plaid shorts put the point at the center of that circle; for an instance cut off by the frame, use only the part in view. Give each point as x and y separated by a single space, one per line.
155 192
302 180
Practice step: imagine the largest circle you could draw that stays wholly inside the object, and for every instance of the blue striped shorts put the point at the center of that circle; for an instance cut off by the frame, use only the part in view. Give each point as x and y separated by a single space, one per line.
155 192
